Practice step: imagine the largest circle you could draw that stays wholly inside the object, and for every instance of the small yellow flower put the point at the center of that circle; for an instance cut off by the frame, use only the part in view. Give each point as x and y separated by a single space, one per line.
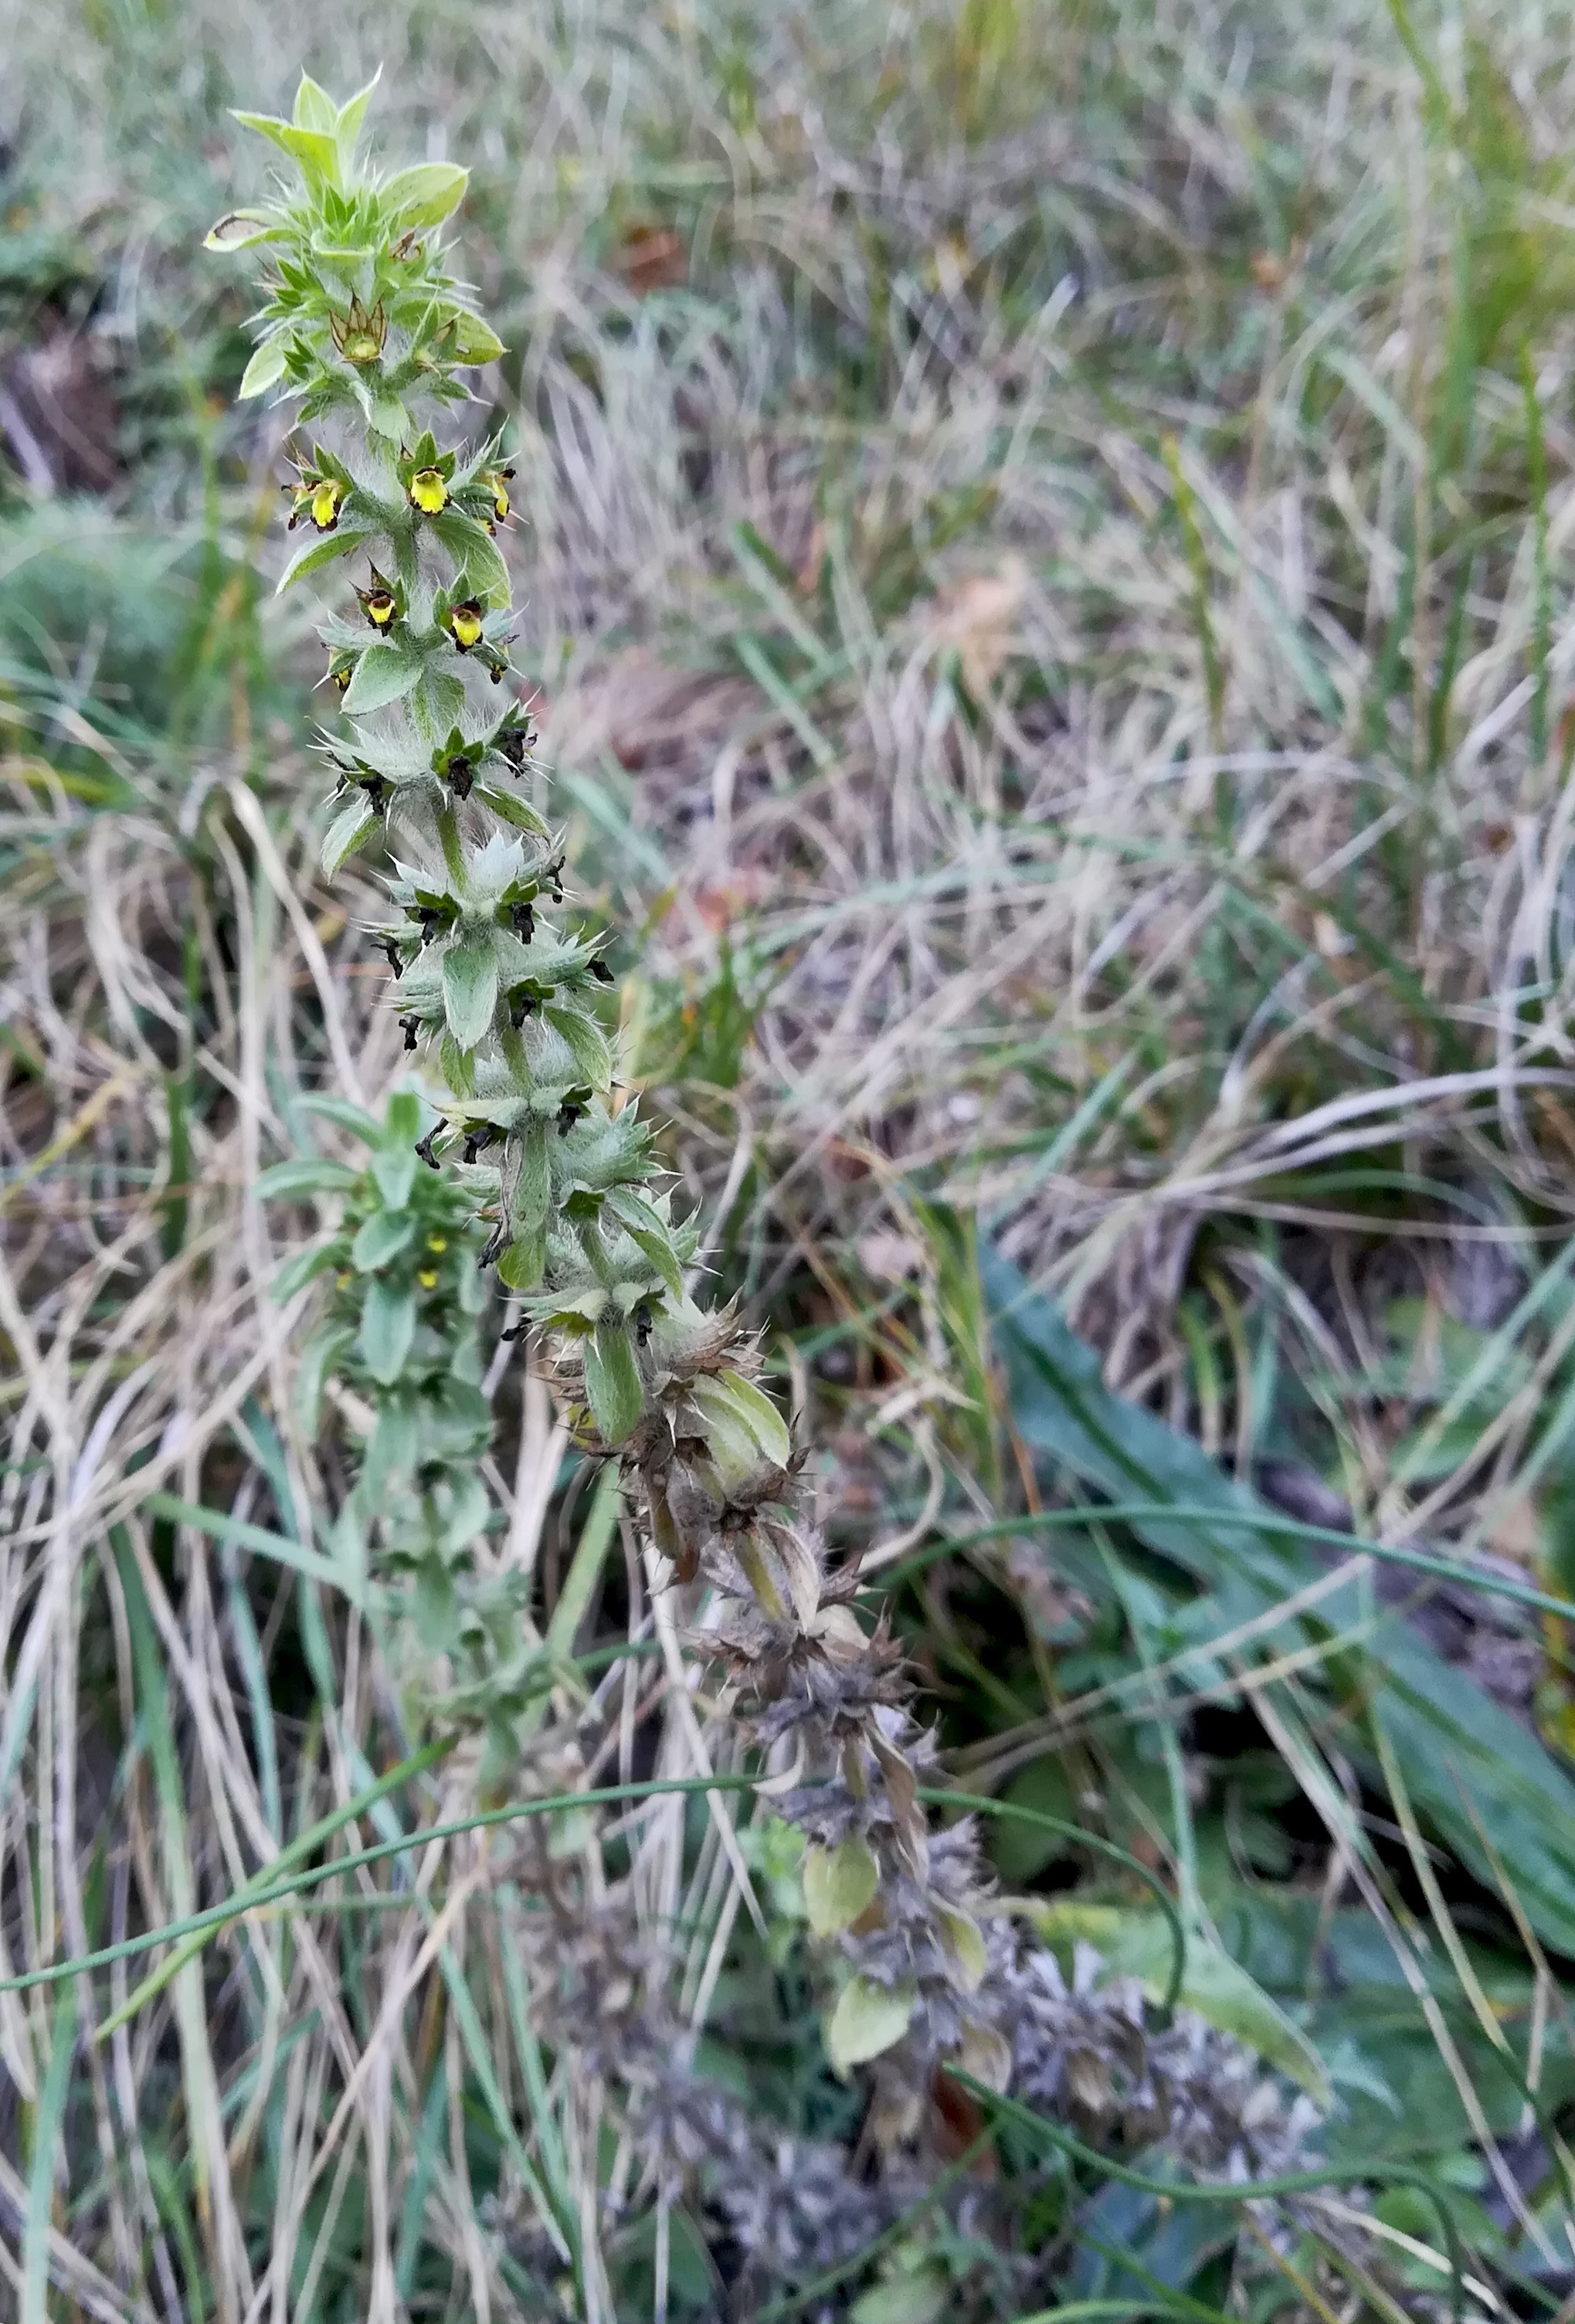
464 623
496 481
437 1242
378 604
429 491
427 1279
325 499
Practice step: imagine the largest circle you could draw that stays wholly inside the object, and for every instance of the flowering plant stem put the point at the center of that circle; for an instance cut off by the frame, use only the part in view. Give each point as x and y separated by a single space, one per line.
367 335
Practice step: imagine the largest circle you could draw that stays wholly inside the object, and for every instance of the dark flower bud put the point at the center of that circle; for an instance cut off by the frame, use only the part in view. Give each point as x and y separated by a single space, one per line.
359 336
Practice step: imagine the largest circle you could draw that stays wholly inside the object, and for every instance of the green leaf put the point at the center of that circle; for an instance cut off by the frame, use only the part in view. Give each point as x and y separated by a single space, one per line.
389 417
302 1266
426 194
345 1116
613 1383
650 1238
475 552
344 834
470 991
530 1196
321 548
510 808
266 367
586 1042
312 1174
315 149
319 1357
760 1415
388 1326
350 115
520 1266
384 1235
401 1127
382 674
314 107
919 2297
241 230
839 1884
868 2019
1468 1765
393 1172
472 341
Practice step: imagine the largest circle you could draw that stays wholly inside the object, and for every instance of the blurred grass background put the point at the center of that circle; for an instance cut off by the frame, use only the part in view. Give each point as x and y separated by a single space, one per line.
1045 552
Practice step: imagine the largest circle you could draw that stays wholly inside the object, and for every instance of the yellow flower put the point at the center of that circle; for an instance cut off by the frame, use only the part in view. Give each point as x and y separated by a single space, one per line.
437 1242
325 499
428 491
378 605
496 481
464 623
427 1279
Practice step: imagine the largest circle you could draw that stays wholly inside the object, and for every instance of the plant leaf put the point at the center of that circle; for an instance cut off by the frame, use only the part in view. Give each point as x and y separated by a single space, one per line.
917 2297
511 808
314 107
240 229
311 1174
301 1267
426 194
472 340
350 116
1469 1766
315 149
388 1326
346 833
470 991
383 1236
345 1116
321 549
382 674
839 1882
613 1383
868 2019
586 1042
267 365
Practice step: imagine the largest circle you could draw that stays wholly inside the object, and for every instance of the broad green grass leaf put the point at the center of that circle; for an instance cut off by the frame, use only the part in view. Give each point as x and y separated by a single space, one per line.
1466 1762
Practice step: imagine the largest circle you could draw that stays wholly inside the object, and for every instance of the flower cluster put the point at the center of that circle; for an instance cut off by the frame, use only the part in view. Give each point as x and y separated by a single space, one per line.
500 999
